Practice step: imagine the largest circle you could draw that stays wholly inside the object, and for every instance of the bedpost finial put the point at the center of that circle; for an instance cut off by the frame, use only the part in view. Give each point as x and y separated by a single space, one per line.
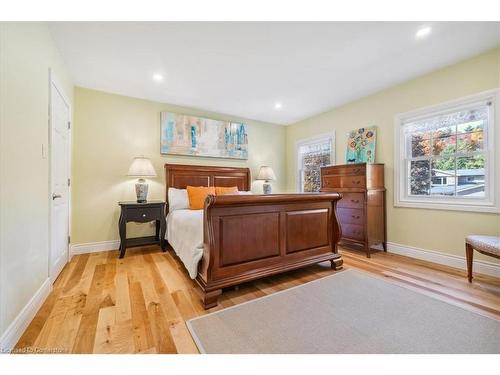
210 200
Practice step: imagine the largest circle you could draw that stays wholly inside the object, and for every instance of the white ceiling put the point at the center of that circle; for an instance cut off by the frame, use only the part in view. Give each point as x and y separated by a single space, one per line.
243 69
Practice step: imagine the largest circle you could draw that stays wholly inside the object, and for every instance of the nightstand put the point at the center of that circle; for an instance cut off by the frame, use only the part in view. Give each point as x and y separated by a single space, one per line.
142 213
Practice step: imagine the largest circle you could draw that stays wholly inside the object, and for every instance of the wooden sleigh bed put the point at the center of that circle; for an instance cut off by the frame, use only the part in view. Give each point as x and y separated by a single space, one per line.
246 237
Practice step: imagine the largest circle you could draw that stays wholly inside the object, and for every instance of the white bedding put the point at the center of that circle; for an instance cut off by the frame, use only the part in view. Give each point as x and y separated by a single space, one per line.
185 234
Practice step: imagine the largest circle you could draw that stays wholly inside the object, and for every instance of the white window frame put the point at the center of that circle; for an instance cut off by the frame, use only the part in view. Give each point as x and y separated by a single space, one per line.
490 202
309 141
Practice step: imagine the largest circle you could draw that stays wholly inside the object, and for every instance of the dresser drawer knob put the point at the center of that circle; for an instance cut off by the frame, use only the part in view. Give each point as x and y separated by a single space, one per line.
355 200
356 182
355 217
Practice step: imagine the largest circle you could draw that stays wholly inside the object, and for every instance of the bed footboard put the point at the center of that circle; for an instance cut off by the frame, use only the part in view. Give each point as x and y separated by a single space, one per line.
247 237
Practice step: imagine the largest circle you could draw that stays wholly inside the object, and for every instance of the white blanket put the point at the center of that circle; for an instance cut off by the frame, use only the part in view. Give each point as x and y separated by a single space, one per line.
185 234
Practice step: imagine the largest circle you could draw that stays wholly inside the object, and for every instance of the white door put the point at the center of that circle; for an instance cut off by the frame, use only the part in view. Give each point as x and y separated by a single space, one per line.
59 195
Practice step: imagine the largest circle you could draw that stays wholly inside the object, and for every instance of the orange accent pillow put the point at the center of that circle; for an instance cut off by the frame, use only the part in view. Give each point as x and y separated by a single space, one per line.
219 190
197 196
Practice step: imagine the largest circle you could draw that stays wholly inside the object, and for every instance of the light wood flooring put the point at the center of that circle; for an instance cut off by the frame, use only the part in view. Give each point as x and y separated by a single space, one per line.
139 304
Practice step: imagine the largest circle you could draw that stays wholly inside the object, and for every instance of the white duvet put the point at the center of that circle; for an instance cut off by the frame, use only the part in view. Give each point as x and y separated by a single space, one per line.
185 234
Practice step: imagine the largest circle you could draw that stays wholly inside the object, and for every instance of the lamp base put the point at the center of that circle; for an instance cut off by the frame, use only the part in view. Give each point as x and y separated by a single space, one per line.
141 191
266 187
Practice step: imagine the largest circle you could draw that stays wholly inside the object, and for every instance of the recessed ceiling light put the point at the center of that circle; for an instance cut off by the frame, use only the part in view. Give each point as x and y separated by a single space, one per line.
423 32
157 77
278 105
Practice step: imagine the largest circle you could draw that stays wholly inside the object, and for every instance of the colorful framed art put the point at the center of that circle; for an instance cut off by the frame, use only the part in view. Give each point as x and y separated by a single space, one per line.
199 136
361 145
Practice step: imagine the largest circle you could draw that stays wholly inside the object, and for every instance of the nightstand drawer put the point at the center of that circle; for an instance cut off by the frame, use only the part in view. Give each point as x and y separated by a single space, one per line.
143 214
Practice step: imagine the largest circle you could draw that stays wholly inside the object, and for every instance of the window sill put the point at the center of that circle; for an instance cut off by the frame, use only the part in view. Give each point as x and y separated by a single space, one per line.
449 206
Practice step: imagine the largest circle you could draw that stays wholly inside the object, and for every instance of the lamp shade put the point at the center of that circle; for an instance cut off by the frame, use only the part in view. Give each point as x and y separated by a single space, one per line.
141 167
266 173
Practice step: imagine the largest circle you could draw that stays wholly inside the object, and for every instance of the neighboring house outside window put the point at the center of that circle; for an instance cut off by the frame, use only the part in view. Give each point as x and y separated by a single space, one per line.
312 154
445 156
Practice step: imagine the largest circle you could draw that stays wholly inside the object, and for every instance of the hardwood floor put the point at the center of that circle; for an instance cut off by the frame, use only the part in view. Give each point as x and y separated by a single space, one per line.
139 304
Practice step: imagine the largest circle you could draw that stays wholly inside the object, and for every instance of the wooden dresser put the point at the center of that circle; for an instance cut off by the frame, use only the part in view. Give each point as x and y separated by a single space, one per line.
361 211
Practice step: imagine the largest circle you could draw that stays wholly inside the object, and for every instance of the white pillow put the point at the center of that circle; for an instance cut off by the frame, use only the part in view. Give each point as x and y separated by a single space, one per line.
177 199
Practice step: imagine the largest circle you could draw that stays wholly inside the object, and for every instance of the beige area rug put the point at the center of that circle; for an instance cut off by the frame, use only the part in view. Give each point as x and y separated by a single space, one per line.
349 312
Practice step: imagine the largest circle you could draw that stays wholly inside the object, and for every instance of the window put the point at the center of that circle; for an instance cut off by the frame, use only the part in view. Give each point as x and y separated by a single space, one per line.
439 181
445 156
312 154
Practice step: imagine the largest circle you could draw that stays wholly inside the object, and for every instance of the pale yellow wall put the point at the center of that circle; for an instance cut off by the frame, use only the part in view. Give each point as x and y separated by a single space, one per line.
423 228
26 54
110 130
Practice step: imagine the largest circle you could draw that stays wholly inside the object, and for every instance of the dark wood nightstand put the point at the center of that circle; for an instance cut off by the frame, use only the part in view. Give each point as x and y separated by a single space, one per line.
142 213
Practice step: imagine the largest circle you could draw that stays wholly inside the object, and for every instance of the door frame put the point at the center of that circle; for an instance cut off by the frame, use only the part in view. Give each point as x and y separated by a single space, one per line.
55 83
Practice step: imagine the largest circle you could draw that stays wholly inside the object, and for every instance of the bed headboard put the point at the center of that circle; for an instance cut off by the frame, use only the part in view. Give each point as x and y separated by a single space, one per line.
179 176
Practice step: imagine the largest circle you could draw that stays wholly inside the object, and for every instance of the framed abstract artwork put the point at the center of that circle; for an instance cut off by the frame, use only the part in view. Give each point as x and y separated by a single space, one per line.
361 145
199 136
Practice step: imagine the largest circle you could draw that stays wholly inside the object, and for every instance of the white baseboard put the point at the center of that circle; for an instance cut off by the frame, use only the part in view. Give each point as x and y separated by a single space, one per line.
15 330
93 247
455 261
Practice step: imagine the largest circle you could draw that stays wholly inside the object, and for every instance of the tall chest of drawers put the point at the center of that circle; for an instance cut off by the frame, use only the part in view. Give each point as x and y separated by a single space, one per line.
361 211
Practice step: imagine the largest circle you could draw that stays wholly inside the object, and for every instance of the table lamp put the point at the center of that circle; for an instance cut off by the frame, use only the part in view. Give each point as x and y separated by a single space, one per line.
141 167
267 174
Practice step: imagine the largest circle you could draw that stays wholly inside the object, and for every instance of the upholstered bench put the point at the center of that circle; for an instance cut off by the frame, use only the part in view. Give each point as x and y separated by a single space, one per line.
488 245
